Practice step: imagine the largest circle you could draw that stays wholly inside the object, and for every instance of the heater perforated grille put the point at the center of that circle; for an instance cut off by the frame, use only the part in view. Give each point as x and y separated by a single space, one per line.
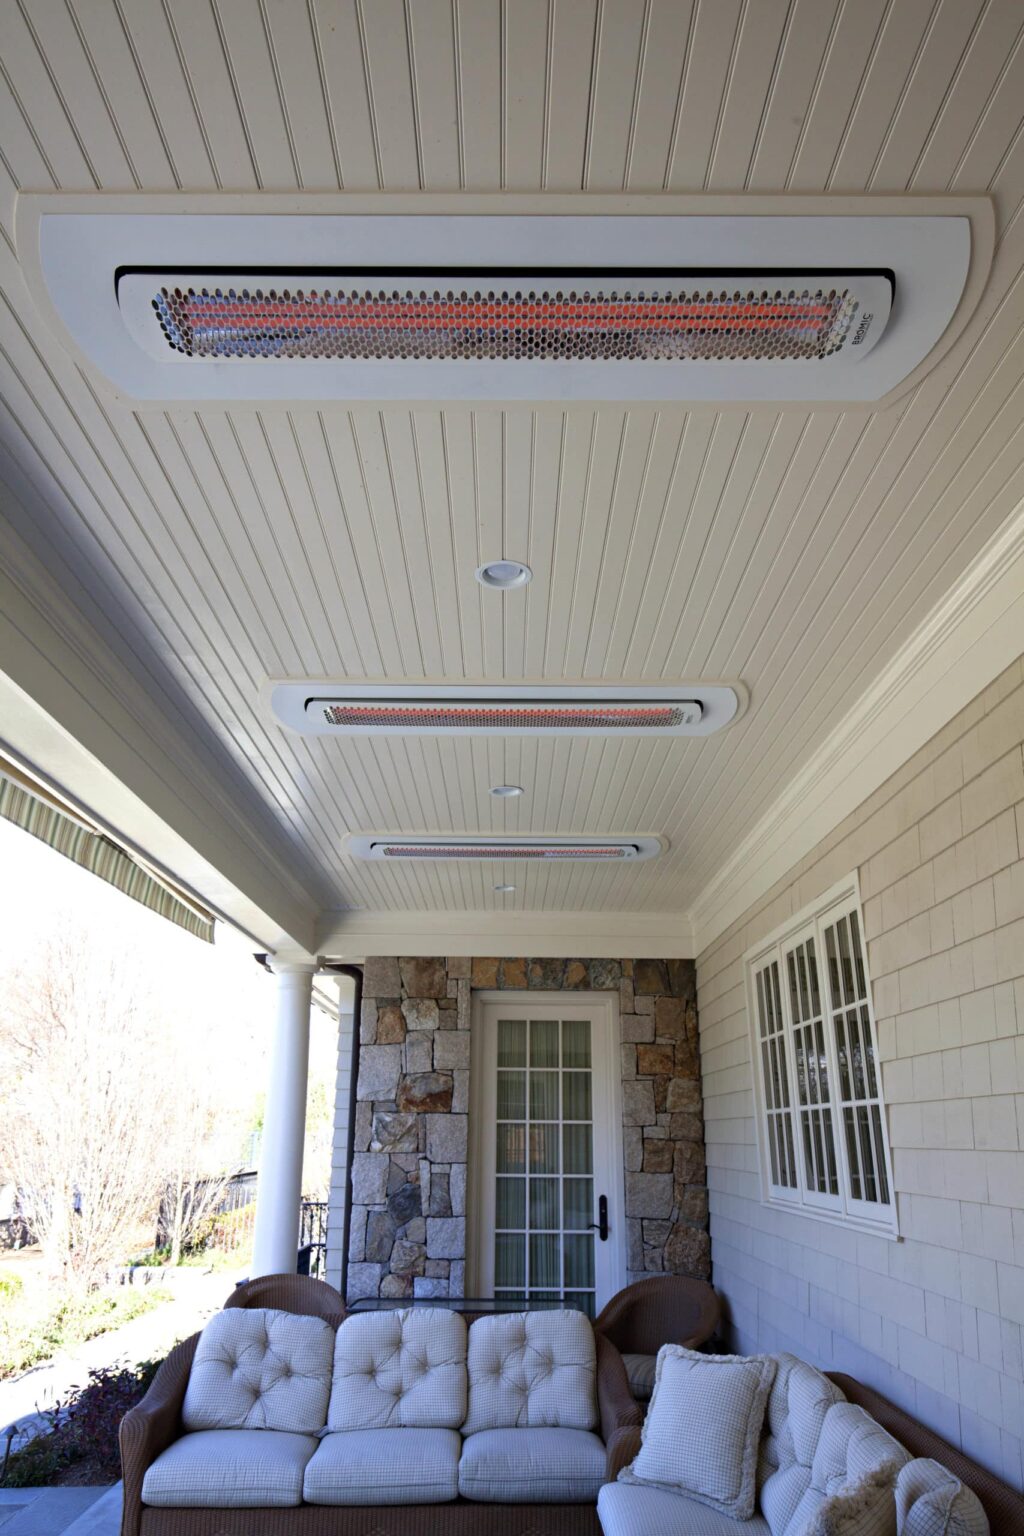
610 322
512 716
501 851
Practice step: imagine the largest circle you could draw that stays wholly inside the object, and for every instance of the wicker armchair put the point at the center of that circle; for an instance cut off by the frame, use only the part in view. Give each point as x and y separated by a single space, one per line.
666 1309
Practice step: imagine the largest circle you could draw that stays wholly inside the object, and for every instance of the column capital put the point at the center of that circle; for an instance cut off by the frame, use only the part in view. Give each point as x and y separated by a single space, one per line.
293 965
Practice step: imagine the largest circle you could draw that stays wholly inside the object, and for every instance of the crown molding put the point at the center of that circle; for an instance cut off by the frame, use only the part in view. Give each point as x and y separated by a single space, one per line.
972 635
590 935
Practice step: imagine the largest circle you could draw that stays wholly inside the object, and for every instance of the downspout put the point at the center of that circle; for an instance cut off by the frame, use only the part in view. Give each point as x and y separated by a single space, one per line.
356 973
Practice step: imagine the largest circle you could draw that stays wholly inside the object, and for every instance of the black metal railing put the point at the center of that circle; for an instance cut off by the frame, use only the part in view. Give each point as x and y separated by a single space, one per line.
312 1238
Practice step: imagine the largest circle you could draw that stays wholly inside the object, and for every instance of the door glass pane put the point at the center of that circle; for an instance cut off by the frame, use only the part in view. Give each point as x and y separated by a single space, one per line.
543 1148
546 1260
576 1043
584 1301
543 1205
511 1156
579 1148
543 1042
543 1095
579 1203
509 1259
511 1095
579 1260
510 1204
577 1095
511 1042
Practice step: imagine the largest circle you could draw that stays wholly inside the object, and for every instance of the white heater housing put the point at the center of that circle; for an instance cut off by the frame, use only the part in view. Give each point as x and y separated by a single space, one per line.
436 305
551 850
427 709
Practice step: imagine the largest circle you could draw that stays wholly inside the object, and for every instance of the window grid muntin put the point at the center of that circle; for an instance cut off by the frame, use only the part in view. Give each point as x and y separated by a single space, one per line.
873 1215
863 1143
814 1107
776 1079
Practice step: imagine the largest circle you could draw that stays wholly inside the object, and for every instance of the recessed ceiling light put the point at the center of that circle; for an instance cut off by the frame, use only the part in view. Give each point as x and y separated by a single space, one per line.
507 791
503 574
504 890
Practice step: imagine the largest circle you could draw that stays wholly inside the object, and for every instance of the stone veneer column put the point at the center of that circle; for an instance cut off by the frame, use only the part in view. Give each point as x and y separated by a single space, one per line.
408 1235
408 1231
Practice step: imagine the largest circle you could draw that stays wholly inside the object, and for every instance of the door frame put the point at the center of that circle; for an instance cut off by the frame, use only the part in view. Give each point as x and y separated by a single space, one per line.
519 998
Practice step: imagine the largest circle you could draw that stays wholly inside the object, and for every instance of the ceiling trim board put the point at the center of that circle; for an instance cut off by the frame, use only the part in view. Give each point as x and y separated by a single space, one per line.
972 635
589 935
64 703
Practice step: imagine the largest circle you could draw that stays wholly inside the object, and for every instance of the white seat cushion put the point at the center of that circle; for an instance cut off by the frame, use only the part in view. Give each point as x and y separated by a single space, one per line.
528 1369
385 1466
930 1501
532 1466
626 1510
640 1371
702 1432
230 1469
404 1369
260 1369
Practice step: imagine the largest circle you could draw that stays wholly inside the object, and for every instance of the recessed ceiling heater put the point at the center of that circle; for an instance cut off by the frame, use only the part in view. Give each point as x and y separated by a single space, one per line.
549 850
514 306
487 710
591 315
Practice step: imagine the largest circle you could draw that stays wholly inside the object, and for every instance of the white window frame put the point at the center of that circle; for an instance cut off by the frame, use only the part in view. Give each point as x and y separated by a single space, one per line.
842 1208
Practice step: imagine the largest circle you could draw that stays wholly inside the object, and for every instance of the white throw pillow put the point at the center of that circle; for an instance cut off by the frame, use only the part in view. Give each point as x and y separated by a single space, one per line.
930 1501
703 1428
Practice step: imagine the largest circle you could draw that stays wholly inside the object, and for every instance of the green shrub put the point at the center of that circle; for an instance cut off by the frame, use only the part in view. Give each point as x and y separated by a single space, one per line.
11 1286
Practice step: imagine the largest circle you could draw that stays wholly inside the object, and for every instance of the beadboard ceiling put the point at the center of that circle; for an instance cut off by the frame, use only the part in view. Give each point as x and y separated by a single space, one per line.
793 549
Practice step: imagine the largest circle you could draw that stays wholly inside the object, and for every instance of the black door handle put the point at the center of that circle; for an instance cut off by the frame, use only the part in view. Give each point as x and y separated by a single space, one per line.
600 1226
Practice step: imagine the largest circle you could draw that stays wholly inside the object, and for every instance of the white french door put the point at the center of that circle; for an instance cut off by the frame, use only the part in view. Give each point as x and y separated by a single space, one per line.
548 1195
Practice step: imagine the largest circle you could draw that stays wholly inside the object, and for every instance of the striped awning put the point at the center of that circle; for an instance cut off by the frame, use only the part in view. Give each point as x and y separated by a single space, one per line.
45 815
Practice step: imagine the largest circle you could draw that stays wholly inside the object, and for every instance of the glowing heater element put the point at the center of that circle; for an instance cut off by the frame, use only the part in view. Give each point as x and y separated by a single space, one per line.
510 717
595 316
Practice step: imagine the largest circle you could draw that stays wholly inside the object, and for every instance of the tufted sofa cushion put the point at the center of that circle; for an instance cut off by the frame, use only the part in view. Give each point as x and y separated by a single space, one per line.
797 1405
530 1369
260 1369
848 1489
399 1370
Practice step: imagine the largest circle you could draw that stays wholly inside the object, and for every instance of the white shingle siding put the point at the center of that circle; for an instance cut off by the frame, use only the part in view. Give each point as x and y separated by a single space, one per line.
935 1321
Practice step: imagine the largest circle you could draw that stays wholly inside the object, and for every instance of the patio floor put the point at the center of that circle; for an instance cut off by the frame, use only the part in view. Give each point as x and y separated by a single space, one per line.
60 1511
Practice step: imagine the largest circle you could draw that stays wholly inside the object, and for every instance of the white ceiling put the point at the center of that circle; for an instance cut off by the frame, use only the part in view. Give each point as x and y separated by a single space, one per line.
793 549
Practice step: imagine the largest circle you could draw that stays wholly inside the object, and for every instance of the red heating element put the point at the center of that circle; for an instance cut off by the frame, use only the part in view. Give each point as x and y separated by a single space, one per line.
498 851
506 717
672 323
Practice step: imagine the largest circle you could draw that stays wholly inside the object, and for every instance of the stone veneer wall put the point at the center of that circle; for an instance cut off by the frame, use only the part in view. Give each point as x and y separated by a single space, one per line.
408 1232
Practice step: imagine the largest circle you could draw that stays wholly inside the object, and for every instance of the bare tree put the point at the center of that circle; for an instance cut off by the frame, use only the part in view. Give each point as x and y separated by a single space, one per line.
193 1191
84 1047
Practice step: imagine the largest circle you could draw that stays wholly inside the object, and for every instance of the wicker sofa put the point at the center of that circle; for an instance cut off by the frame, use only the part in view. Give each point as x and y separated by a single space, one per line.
155 1427
152 1436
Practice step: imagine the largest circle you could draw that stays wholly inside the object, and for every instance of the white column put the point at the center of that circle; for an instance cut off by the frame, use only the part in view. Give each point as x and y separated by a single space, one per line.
279 1189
